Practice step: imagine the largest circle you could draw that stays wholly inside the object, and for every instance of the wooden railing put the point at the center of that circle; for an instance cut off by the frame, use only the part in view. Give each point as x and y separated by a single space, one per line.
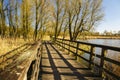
22 63
11 54
75 47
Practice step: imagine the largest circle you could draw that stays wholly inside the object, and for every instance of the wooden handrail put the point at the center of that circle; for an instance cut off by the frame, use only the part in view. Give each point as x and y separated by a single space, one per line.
92 44
25 66
104 48
14 50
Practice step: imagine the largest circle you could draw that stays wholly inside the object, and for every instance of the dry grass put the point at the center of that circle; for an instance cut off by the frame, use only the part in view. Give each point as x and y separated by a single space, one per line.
46 38
7 45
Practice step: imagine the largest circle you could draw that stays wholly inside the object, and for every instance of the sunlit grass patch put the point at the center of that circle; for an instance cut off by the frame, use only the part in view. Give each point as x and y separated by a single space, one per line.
7 45
12 49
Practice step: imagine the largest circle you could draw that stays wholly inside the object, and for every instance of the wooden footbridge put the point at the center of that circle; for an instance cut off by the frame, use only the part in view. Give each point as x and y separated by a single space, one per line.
60 60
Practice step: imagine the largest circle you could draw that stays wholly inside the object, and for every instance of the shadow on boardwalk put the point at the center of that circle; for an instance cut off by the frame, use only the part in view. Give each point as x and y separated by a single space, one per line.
58 66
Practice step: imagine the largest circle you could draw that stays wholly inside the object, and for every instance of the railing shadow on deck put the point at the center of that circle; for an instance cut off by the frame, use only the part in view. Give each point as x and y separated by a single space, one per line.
56 73
67 44
79 75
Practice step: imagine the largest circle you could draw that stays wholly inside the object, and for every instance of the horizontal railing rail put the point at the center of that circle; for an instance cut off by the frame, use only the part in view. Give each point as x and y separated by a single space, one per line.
7 57
68 44
13 50
25 60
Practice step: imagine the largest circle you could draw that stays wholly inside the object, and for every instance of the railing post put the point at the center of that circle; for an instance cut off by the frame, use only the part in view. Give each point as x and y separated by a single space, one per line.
91 56
102 61
69 48
77 50
62 44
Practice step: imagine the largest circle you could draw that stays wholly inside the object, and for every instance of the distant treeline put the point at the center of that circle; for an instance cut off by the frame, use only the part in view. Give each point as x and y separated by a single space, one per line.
99 37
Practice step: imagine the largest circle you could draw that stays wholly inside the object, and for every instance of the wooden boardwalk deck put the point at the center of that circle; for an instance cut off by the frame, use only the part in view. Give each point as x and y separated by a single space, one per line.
57 65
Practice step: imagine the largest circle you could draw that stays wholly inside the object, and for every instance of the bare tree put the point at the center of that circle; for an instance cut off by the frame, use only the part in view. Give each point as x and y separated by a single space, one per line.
11 17
2 18
26 17
37 19
82 16
43 18
58 13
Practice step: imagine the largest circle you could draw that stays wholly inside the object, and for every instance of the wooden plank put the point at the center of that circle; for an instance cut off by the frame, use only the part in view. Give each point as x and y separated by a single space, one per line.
57 65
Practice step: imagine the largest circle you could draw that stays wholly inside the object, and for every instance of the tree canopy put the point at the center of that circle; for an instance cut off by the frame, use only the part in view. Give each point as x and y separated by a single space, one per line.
34 18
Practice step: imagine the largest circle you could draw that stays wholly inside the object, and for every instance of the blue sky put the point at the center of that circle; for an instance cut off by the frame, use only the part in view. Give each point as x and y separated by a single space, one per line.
111 20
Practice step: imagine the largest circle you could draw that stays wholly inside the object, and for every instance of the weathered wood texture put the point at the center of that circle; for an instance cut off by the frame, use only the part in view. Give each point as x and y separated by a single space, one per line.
16 66
36 65
57 65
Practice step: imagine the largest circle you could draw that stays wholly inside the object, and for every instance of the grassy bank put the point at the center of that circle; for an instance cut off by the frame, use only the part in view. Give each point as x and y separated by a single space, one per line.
7 45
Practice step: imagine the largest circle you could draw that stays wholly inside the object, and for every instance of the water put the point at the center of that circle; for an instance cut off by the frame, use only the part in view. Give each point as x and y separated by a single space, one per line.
109 42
